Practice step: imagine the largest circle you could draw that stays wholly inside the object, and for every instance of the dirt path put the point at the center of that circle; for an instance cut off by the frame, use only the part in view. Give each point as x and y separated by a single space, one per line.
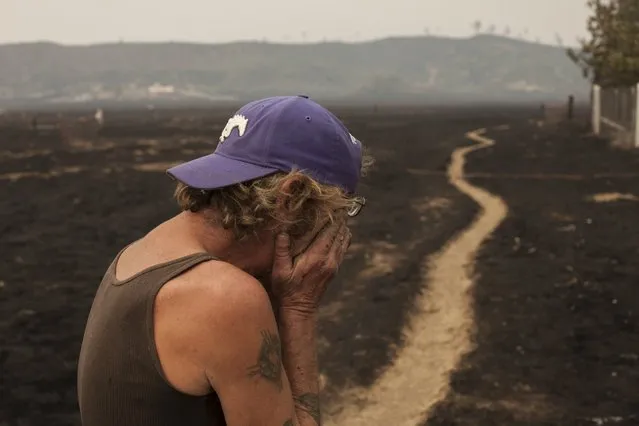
439 333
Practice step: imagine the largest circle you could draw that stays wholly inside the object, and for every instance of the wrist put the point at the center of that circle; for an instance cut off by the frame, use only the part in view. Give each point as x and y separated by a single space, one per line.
297 305
289 314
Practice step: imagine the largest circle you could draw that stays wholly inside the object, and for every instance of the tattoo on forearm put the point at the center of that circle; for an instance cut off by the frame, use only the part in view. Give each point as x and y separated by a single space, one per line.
310 403
269 360
289 422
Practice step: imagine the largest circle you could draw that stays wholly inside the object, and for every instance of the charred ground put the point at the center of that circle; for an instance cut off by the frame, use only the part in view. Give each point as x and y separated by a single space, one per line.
557 328
72 199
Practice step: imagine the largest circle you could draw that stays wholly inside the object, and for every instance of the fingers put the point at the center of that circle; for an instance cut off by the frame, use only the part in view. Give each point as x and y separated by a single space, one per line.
302 244
282 245
340 246
324 241
316 255
331 261
343 248
282 262
340 236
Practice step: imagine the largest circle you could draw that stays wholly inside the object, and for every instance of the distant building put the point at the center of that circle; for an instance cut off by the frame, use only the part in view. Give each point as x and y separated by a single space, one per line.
158 89
99 116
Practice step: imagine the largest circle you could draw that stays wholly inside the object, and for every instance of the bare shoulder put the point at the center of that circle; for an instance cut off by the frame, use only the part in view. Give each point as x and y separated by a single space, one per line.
217 289
204 319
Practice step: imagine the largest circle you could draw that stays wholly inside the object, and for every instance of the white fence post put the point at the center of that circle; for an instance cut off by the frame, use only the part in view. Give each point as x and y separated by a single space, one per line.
596 109
636 117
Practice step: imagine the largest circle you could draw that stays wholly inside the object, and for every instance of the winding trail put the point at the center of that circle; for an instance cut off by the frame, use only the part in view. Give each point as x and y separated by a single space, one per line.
439 334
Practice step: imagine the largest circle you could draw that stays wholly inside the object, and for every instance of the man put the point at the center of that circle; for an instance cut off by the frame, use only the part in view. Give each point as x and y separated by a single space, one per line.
210 319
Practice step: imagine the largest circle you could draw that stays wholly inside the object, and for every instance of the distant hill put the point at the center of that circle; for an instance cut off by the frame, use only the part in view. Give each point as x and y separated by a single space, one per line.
395 69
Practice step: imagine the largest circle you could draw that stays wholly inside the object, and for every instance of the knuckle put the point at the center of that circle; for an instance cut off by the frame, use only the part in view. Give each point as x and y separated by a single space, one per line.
279 276
330 267
281 254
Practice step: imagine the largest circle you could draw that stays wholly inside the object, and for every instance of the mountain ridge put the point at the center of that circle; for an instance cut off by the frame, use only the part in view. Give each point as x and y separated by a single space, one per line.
395 68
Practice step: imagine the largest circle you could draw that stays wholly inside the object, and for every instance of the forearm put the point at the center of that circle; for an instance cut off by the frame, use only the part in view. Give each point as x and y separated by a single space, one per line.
299 349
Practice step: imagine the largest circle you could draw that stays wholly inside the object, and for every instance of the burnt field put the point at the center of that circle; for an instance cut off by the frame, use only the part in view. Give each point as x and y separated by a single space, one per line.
556 297
553 332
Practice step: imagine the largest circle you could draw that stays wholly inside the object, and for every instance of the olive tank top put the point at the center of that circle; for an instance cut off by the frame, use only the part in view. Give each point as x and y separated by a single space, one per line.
120 380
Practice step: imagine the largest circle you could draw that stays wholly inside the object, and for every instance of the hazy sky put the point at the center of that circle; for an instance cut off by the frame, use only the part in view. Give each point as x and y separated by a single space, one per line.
90 21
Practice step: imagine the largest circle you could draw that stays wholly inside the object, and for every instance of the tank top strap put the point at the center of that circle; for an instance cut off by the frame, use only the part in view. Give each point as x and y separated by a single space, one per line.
160 273
177 267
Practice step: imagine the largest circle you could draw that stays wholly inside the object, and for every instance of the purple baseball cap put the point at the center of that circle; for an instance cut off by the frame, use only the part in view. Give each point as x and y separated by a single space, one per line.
278 134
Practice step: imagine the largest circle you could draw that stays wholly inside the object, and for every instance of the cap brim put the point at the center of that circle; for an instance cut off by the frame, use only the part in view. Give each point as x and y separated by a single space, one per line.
217 171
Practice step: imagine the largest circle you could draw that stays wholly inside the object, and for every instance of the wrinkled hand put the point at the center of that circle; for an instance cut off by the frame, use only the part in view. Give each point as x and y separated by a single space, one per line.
300 284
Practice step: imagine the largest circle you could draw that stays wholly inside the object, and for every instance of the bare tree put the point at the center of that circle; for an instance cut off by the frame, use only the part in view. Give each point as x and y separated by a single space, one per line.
477 25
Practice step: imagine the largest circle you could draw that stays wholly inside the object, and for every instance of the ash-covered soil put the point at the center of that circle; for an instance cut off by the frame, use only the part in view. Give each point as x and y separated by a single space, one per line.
72 197
556 297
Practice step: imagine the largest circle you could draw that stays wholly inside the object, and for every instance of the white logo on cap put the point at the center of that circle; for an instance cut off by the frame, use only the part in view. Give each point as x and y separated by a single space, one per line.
238 121
355 141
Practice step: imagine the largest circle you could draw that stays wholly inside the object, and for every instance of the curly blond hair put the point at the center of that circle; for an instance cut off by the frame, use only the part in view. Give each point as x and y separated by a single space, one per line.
249 207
